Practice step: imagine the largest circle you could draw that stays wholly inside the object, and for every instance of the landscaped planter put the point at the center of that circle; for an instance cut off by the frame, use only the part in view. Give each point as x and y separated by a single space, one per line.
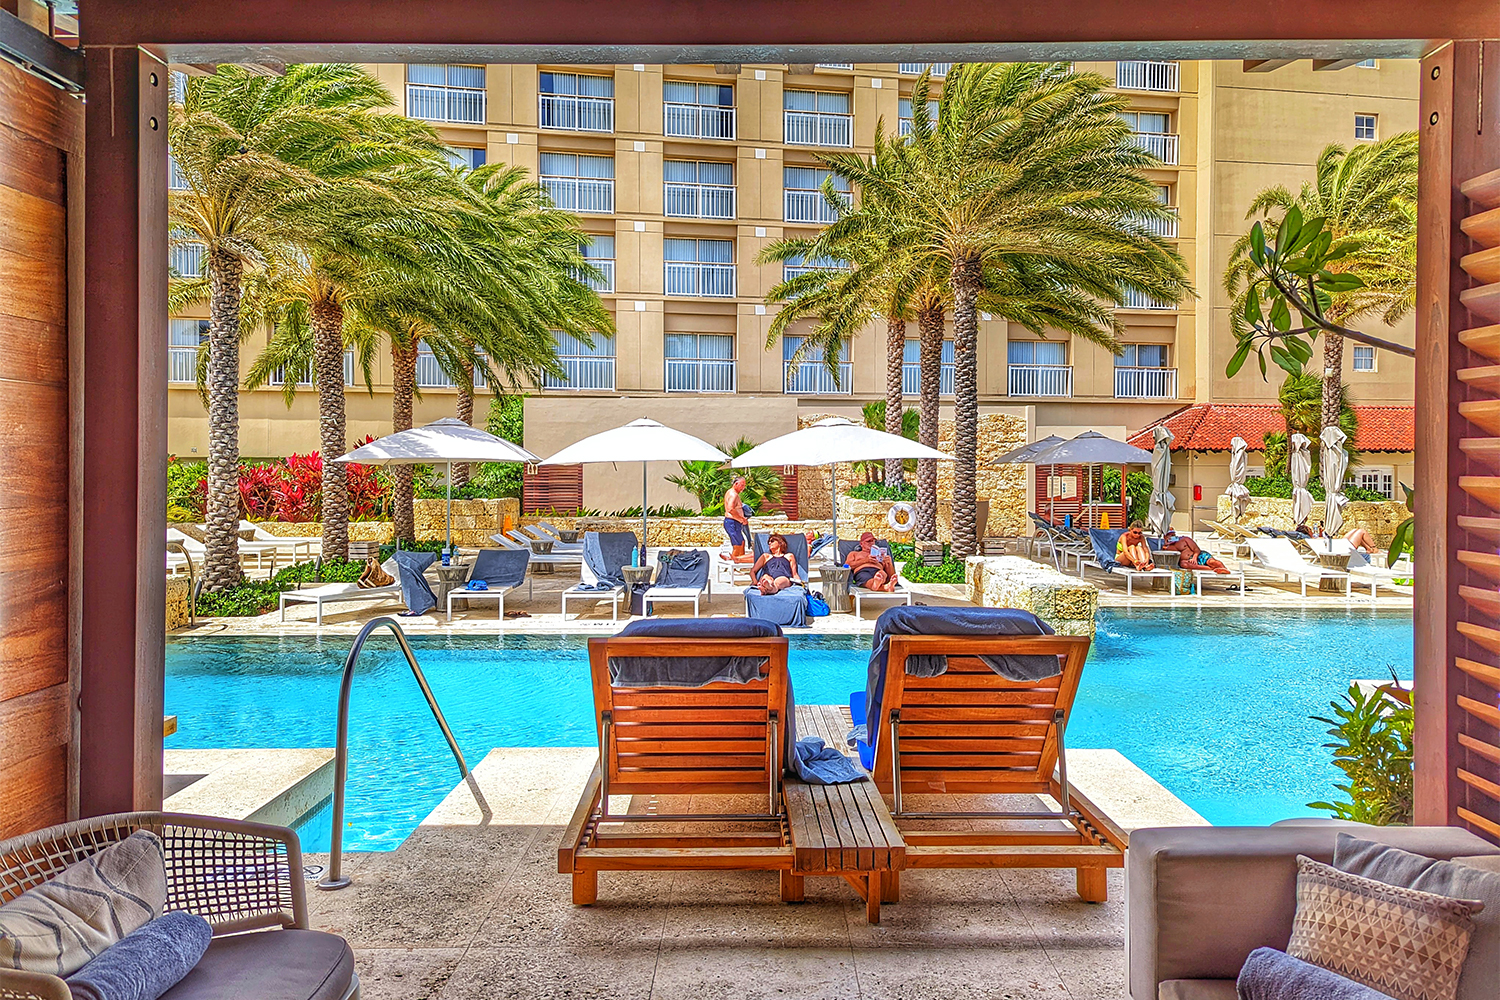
1378 518
682 532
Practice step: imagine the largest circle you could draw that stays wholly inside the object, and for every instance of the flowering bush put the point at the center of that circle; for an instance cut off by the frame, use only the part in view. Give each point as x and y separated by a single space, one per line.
289 490
258 486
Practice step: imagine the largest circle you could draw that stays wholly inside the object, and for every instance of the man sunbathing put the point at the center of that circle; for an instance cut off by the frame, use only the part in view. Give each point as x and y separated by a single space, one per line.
776 570
1361 539
1192 557
1132 551
872 565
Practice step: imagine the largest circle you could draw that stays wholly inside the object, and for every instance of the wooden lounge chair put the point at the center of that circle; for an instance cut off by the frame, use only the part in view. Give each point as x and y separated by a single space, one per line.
970 732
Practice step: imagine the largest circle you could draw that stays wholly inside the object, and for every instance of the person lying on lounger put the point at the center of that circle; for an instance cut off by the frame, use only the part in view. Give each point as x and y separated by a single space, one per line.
872 565
776 570
1192 557
1361 539
1132 551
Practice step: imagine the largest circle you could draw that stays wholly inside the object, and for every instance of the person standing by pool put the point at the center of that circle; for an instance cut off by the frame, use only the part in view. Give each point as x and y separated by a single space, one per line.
1131 550
871 565
736 521
777 569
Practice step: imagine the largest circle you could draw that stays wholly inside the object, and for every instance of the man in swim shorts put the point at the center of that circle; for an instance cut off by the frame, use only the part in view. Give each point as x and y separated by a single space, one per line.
871 565
736 522
1191 556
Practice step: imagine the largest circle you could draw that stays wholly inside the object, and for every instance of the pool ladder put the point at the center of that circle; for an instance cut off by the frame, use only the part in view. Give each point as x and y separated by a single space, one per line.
335 879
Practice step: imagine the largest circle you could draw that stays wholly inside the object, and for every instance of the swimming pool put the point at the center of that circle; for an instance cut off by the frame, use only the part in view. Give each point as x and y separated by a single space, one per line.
1214 704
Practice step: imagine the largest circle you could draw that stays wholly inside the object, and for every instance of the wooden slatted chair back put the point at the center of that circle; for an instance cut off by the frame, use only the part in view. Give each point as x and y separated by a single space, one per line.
715 739
969 730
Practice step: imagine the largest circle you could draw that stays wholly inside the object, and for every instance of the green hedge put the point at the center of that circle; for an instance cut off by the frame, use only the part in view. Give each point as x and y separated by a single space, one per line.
879 491
1266 486
256 597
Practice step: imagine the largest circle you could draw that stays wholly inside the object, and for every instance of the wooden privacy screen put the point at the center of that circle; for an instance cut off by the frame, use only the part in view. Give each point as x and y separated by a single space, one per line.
40 128
552 489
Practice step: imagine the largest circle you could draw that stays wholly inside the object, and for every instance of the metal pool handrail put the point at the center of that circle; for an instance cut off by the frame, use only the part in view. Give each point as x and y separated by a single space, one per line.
192 585
335 878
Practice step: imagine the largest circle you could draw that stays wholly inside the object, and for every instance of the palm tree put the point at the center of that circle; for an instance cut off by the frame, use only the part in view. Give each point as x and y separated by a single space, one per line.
264 162
1367 196
1029 195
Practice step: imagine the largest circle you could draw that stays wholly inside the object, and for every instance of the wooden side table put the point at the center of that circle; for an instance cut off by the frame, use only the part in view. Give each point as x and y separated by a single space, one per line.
1332 561
836 588
1164 559
636 575
450 578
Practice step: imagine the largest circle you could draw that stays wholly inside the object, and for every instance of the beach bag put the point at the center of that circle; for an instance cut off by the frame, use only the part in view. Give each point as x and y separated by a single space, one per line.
1182 581
816 606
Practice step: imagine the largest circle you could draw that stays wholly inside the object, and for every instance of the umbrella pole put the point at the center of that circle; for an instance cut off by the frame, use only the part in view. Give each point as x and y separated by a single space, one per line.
449 542
644 473
833 474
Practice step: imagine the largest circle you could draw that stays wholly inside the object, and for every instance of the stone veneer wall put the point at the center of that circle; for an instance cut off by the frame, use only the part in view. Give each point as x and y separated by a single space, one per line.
1380 519
683 532
1068 604
1003 485
177 602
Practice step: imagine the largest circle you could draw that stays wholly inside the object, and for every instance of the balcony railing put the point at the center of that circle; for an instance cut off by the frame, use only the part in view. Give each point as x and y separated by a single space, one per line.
444 104
800 205
911 380
187 259
1142 74
1041 380
835 65
577 114
698 121
606 269
815 128
182 364
699 201
915 69
1145 383
1140 300
305 377
1161 227
583 372
701 280
1162 145
581 194
812 378
700 375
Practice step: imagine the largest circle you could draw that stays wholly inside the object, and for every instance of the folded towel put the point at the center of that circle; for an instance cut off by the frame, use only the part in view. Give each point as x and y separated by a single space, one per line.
819 764
499 568
1269 974
415 592
478 585
607 553
145 963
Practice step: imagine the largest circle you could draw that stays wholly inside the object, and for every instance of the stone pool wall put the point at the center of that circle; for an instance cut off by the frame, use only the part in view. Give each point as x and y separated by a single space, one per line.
1378 518
177 602
1068 604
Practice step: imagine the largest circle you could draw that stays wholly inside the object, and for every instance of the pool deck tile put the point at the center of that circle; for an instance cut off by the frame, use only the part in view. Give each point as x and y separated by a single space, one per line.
267 786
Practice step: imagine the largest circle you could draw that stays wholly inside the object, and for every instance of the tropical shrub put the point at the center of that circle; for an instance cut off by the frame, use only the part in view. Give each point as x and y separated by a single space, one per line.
1265 486
907 492
187 490
708 481
433 545
1137 492
1372 745
256 597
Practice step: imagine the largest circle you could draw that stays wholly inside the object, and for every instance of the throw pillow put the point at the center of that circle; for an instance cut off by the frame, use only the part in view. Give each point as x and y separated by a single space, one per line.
61 925
1481 972
1408 944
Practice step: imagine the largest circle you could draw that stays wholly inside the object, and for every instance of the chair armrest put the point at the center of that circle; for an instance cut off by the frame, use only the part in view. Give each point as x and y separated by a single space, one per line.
17 985
237 875
1200 899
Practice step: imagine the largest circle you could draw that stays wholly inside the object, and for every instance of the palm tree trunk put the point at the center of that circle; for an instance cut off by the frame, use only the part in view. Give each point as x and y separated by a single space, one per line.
930 325
461 473
895 351
966 285
1333 378
221 565
403 389
328 361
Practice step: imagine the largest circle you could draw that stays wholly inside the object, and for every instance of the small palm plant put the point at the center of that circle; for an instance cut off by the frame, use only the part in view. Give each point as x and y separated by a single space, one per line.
1372 745
709 481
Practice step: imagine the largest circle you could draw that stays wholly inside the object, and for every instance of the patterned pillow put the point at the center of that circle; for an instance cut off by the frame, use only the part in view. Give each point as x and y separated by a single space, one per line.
60 925
1408 944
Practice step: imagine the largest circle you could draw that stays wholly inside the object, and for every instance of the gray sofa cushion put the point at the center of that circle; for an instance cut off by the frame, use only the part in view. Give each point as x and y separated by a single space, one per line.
1393 866
1197 989
270 965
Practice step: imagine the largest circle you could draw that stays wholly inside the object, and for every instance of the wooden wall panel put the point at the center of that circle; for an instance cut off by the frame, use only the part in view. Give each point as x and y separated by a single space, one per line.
39 130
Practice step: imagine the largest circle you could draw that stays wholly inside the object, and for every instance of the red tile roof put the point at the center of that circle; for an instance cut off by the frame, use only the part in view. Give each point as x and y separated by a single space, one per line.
1211 426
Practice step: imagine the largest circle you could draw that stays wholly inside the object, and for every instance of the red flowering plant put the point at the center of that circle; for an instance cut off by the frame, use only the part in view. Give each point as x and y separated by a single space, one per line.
366 491
301 496
258 485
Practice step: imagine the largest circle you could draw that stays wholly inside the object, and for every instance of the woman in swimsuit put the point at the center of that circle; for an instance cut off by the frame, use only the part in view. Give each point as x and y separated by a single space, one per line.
777 569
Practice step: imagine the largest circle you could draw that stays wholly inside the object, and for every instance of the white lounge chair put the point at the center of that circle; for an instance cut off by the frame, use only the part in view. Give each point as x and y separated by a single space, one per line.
500 577
585 591
263 540
539 534
1361 570
342 593
553 559
192 549
1279 556
1199 574
690 594
861 594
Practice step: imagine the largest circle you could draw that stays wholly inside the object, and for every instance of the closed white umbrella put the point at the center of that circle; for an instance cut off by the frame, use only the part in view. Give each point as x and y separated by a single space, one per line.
833 440
1299 466
642 440
449 441
1335 463
1239 468
1162 501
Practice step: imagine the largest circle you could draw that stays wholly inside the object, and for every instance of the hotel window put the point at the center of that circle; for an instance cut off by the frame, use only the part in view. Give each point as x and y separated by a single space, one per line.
584 367
1037 352
809 376
802 197
1365 127
1367 64
600 253
904 113
578 182
1153 133
437 92
1377 479
185 255
817 118
183 338
577 102
911 369
1143 356
698 110
465 157
1364 358
699 267
697 189
176 179
699 362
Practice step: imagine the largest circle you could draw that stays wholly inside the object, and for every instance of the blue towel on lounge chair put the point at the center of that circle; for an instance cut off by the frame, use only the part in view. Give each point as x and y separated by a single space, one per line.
787 608
500 567
683 568
145 963
1106 542
1269 974
958 621
415 593
809 759
607 553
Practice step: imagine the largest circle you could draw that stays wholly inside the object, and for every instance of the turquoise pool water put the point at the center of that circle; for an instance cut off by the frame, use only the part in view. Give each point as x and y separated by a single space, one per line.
1213 704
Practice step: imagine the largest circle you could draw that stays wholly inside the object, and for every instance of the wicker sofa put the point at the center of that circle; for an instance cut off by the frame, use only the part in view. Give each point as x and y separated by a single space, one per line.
238 876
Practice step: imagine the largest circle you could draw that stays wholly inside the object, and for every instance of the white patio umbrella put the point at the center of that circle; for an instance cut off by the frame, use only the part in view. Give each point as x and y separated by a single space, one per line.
1092 448
1299 467
1335 463
447 441
1239 468
1162 501
833 440
642 440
